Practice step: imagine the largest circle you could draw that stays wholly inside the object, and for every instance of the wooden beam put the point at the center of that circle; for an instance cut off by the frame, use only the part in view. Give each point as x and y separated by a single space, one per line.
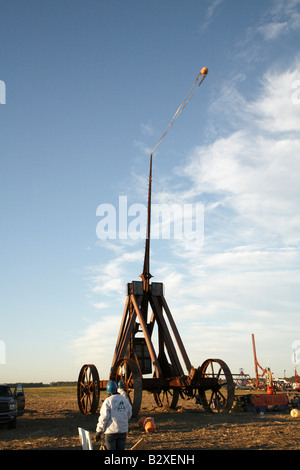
176 334
126 337
150 347
157 308
121 330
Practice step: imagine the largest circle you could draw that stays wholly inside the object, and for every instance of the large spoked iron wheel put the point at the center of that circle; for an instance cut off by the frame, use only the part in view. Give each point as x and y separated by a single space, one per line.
88 391
167 398
220 397
127 370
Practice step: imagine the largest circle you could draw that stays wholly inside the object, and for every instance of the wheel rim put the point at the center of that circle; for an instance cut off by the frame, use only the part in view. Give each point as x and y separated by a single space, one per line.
127 370
88 392
220 397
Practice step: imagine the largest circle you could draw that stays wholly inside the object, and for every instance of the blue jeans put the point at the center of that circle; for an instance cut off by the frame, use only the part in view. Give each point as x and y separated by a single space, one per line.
116 441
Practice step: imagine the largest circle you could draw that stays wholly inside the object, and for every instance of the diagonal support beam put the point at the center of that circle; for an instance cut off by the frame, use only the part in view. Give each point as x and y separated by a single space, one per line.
166 334
126 337
157 368
121 330
176 334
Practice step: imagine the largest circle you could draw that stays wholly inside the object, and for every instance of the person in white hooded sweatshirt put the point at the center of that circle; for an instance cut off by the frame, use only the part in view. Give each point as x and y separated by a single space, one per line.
113 420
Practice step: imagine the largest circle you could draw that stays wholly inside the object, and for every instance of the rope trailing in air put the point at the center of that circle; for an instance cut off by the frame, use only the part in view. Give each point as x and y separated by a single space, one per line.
184 103
146 269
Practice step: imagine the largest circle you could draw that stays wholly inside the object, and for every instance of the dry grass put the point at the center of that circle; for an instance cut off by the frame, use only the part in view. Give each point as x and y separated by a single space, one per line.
52 418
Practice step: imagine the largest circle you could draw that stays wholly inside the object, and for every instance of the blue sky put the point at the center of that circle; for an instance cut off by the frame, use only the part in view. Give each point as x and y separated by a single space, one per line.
89 88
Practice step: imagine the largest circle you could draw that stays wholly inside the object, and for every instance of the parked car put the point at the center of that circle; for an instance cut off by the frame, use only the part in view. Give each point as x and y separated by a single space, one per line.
12 405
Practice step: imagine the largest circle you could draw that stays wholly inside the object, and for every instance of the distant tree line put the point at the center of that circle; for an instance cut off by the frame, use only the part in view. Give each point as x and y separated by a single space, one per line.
62 384
41 384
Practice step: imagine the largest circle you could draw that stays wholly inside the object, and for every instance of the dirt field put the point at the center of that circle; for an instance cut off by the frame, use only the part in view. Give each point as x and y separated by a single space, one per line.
51 421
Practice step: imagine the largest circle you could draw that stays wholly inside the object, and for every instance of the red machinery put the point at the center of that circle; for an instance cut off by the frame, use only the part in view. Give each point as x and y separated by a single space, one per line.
296 385
257 365
271 399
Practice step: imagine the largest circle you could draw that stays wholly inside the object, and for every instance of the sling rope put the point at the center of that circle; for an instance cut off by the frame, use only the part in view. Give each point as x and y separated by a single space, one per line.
184 103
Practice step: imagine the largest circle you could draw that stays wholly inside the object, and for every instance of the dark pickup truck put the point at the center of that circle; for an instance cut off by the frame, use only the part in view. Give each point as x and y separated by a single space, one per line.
12 405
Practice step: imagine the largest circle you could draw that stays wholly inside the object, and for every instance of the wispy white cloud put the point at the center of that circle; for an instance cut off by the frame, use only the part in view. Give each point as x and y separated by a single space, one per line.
274 109
96 343
283 18
108 279
147 129
278 21
283 8
273 30
210 12
143 148
101 305
254 176
212 7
